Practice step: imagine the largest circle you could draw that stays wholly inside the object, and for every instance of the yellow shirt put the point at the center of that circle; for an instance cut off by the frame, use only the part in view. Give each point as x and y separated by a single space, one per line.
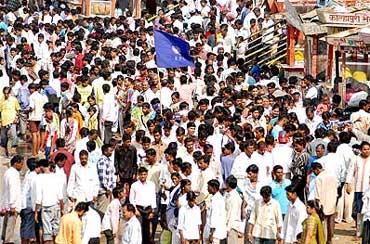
9 109
69 229
85 92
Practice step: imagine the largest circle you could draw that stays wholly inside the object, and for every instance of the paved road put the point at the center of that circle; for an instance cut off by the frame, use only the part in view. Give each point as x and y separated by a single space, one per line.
344 233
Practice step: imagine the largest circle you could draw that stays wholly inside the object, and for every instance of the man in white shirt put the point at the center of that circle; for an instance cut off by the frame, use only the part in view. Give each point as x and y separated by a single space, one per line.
36 112
359 175
28 201
83 184
266 219
189 223
143 197
49 199
215 227
345 201
294 218
91 227
132 230
233 203
326 192
282 154
11 198
243 160
109 113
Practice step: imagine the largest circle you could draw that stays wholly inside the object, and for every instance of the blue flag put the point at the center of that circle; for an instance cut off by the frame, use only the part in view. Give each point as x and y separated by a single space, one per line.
171 51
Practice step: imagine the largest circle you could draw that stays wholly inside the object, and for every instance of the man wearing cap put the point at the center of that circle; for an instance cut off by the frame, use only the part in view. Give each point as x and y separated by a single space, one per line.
282 154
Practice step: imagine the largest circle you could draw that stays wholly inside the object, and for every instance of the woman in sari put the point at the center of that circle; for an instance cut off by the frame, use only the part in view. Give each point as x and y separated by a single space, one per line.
68 130
313 231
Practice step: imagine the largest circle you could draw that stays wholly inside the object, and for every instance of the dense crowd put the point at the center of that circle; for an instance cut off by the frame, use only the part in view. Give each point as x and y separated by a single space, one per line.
226 151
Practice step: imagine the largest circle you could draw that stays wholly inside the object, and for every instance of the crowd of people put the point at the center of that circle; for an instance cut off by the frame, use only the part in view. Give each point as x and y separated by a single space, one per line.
227 151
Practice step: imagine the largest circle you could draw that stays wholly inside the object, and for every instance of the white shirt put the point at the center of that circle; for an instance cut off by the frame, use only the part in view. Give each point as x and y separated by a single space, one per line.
29 190
216 217
37 102
241 163
359 173
264 163
91 225
83 183
143 194
233 202
111 216
189 222
346 155
132 232
266 218
282 155
11 197
333 165
293 221
62 177
80 145
48 190
109 110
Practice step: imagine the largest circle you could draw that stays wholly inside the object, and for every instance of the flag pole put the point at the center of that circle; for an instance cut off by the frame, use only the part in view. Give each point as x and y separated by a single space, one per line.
160 91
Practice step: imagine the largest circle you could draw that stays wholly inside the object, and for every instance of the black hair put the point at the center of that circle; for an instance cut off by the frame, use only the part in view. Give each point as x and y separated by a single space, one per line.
32 164
83 152
16 159
116 191
266 191
90 146
252 168
191 196
60 157
44 163
232 182
316 205
82 206
142 170
214 183
131 208
276 168
105 147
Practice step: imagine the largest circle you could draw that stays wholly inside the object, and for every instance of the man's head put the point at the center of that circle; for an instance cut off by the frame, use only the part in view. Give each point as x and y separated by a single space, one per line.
203 162
142 174
107 150
365 149
265 192
278 173
84 157
291 193
126 140
213 186
6 92
151 156
44 165
316 168
128 211
231 183
81 208
17 162
33 165
252 172
60 159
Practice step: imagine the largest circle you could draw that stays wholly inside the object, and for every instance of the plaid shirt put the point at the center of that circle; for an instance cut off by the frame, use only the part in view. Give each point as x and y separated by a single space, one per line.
299 163
106 173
